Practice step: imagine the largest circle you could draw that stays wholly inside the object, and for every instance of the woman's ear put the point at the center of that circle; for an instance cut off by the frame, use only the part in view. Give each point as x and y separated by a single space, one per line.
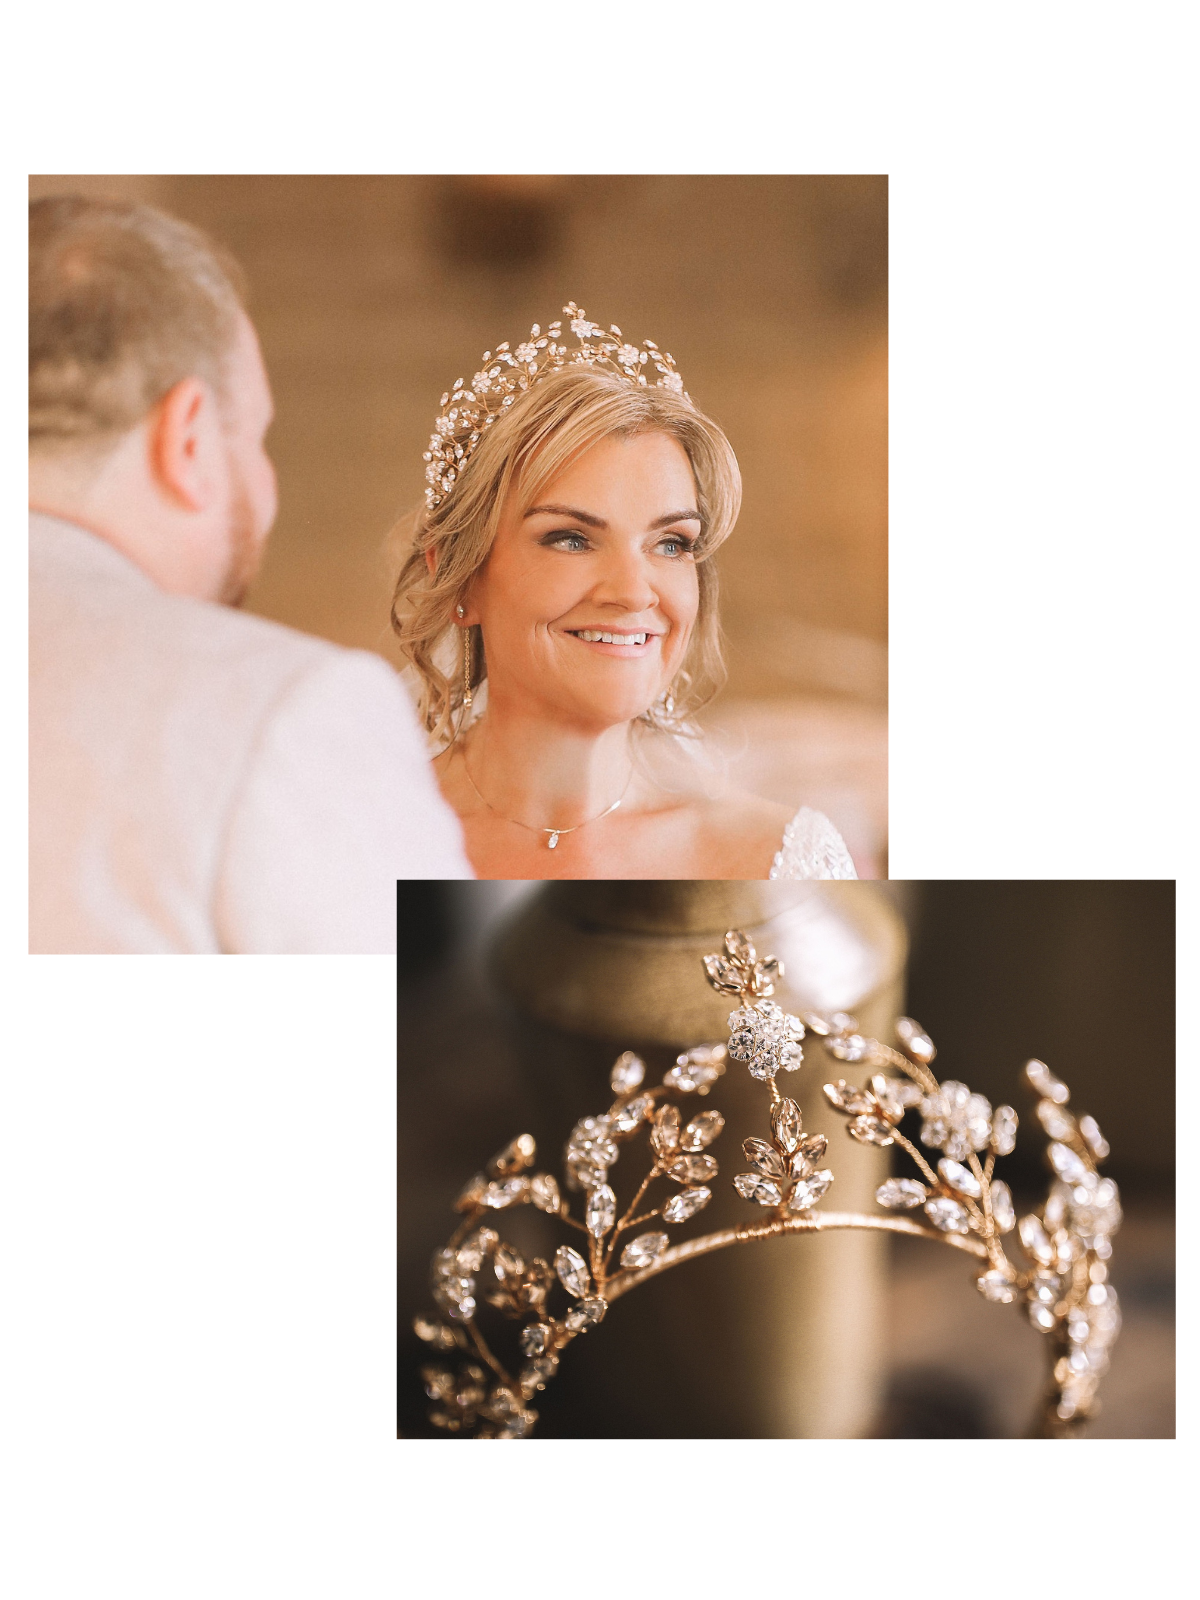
431 562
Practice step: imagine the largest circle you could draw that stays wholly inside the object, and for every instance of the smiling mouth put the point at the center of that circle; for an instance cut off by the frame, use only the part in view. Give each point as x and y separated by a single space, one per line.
604 636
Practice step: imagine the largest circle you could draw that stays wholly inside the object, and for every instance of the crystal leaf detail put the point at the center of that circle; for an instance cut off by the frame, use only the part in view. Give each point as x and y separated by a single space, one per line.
627 1073
915 1040
601 1211
723 976
586 1315
739 948
572 1271
1058 1124
509 1264
627 1117
871 1130
900 1194
786 1123
1004 1131
515 1157
763 1156
693 1169
1039 1077
1035 1239
752 1187
849 1047
895 1095
696 1069
809 1191
543 1191
643 1250
995 1286
702 1130
813 1146
511 1192
665 1134
685 1204
767 974
434 1333
472 1253
1070 1167
1003 1214
1093 1138
535 1339
847 1097
947 1215
960 1178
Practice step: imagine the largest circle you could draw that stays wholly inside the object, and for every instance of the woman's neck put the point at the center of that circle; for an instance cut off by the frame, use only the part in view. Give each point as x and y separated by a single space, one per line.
545 773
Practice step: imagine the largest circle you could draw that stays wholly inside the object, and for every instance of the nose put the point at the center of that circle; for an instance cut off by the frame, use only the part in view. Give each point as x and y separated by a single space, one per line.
624 580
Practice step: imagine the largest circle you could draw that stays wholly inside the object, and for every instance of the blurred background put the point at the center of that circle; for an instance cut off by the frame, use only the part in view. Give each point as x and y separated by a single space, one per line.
371 294
1080 974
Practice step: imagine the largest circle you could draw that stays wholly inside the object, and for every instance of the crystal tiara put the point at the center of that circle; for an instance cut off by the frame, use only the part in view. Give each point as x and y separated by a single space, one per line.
468 411
1062 1284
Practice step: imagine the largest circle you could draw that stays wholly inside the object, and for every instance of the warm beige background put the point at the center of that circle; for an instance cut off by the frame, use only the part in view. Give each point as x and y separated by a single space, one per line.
371 294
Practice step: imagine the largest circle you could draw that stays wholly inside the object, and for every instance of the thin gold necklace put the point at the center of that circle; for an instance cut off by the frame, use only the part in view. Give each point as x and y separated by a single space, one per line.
555 833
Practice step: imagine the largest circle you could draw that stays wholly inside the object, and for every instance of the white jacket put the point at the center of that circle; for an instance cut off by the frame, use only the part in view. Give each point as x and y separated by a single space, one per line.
206 781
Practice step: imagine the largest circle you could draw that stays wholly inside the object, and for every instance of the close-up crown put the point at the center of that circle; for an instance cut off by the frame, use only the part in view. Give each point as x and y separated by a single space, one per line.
468 410
1062 1283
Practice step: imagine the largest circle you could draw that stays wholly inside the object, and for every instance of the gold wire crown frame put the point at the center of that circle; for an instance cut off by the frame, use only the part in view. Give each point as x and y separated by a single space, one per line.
467 411
1062 1284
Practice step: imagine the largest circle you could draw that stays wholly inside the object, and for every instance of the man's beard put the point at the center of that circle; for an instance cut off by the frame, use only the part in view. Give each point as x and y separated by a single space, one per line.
245 547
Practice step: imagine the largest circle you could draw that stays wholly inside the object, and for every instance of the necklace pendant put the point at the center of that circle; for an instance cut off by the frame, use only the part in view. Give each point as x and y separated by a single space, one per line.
552 842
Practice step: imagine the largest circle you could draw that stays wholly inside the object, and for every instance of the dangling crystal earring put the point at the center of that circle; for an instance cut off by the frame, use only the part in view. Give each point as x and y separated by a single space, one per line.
466 698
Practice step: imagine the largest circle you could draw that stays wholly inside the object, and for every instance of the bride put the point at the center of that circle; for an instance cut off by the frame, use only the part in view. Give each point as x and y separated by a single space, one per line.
558 606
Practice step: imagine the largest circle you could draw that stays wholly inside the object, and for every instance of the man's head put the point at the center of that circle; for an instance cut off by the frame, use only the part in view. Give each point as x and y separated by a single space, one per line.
148 402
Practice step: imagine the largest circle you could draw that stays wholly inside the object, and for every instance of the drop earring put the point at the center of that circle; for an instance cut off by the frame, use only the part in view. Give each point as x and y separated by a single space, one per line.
466 696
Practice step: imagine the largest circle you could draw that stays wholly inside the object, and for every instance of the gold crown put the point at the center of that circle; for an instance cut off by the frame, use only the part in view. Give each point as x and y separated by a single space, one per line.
468 411
1063 1285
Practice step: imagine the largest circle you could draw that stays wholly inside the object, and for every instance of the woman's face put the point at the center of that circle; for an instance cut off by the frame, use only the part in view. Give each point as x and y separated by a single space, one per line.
588 599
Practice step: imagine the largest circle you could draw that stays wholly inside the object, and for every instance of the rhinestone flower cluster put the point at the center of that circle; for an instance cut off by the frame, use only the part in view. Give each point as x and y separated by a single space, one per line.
468 410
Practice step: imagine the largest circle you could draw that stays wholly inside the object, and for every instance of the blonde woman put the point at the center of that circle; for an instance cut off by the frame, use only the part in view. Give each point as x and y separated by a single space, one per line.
558 607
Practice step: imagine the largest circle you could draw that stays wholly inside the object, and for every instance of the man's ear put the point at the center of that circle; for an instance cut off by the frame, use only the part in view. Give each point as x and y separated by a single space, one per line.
185 444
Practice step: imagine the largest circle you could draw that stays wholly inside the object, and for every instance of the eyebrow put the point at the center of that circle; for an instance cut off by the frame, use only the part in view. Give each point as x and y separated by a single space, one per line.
592 521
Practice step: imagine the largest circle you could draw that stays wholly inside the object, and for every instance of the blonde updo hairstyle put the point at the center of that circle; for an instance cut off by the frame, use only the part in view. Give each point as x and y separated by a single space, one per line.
530 444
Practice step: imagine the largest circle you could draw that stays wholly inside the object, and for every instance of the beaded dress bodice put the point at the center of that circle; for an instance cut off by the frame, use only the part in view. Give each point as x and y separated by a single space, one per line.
812 848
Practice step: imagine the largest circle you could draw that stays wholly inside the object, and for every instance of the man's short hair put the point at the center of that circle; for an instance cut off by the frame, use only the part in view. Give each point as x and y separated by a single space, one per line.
124 302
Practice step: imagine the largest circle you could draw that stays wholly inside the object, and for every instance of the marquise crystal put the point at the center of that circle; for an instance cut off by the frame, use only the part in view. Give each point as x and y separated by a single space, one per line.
685 1204
644 1250
702 1130
786 1123
809 1191
752 1186
572 1270
628 1072
901 1194
948 1215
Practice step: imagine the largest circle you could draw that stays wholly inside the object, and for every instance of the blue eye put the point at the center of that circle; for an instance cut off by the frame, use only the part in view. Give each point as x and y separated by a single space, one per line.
566 541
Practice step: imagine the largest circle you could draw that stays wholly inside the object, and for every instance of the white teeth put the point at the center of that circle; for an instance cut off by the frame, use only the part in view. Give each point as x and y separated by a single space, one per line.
593 636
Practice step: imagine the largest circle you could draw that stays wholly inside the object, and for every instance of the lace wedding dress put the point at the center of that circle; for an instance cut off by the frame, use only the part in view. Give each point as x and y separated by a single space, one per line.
812 848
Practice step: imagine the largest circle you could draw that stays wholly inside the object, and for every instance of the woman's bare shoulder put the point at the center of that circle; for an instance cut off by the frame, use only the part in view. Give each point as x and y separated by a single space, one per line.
741 833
